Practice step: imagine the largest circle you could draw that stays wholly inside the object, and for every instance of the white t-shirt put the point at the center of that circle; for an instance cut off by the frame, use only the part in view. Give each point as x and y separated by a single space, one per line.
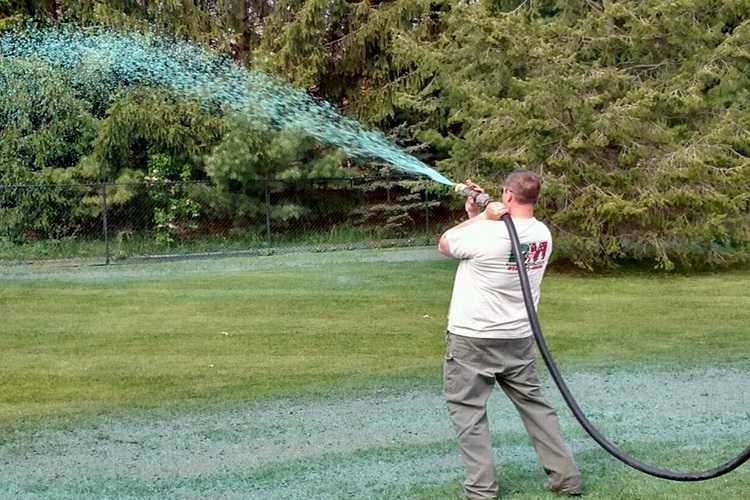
487 300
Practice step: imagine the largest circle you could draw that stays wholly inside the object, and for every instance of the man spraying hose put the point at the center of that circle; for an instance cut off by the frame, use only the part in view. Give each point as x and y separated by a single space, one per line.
489 338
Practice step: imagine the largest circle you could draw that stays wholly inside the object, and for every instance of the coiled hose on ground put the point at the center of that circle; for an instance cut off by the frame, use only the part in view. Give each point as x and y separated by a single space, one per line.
570 400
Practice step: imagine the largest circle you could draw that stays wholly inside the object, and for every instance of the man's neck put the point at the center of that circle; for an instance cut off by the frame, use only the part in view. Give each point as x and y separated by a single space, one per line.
522 211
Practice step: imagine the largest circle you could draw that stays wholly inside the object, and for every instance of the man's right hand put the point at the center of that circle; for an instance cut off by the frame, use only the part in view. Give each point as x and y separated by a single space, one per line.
471 207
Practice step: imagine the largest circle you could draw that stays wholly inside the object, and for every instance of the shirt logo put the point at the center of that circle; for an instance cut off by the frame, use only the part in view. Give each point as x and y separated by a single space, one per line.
534 256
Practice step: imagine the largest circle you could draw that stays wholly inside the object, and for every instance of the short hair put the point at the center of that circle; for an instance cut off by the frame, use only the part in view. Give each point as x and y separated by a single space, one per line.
525 184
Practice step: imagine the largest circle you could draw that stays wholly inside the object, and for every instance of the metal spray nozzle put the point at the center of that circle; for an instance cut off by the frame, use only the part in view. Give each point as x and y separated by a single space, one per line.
482 199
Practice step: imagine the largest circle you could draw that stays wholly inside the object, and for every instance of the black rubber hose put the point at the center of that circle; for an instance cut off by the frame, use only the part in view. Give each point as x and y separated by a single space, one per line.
577 412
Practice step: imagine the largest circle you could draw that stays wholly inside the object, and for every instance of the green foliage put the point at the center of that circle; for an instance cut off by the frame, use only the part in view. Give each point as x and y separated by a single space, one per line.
32 213
175 214
44 126
344 50
250 155
12 11
144 122
396 208
10 14
45 133
636 113
230 26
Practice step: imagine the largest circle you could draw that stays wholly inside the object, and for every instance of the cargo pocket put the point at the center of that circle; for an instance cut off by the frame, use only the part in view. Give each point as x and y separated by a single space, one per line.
450 368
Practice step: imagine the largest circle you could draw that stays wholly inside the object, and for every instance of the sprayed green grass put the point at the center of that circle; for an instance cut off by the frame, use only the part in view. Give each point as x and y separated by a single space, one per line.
163 380
82 340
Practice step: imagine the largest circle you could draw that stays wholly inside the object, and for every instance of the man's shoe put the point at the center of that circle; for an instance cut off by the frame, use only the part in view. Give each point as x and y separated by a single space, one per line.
563 492
567 494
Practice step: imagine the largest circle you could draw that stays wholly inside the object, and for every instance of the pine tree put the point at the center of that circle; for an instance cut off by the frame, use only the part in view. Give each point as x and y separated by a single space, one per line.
346 53
636 113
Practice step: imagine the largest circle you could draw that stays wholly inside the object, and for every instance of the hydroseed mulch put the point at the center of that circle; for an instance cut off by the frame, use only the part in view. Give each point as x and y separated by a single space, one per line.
658 363
387 442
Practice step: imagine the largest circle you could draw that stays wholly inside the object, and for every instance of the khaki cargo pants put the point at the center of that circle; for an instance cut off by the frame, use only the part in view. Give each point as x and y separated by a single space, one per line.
472 366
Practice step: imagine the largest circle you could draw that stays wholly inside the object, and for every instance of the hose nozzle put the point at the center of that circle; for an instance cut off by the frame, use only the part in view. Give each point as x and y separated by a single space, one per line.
482 199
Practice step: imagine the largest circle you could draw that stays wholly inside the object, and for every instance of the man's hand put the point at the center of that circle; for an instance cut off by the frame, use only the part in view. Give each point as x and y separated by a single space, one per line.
471 207
495 211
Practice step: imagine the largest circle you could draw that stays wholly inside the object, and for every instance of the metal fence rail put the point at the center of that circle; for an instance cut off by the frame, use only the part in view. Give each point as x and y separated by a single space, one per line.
103 223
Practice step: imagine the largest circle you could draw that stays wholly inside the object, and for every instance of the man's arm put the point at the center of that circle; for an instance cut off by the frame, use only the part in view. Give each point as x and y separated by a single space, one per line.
494 211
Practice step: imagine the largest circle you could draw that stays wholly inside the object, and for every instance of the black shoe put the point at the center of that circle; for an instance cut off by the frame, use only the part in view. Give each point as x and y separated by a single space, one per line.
567 494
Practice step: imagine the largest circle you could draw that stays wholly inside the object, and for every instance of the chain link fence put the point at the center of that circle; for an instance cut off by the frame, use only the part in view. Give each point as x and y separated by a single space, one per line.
105 223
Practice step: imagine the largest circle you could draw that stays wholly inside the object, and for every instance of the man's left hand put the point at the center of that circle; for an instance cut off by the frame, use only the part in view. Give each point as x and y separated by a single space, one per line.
495 211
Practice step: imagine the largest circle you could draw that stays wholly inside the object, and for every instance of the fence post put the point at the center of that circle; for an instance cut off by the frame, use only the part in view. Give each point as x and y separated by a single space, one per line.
104 223
427 212
268 213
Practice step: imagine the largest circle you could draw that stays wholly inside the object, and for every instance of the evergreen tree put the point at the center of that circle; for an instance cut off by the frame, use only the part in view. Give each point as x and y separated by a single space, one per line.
635 112
45 131
45 128
345 52
146 122
260 172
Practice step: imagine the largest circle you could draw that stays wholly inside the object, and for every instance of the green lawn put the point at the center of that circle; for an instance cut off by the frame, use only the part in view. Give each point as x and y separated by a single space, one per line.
72 346
80 340
85 347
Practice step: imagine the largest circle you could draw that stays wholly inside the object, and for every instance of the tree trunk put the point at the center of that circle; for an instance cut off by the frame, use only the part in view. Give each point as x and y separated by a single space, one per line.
247 19
243 39
53 8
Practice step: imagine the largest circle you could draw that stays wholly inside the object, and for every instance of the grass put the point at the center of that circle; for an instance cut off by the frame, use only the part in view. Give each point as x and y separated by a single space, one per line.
71 346
520 478
648 317
132 340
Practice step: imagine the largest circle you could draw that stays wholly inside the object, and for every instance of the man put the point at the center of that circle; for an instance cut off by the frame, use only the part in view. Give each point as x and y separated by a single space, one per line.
489 337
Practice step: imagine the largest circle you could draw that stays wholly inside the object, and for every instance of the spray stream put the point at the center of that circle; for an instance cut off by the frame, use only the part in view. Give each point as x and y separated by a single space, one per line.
98 63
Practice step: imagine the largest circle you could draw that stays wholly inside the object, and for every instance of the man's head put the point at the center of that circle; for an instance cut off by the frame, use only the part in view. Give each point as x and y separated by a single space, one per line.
522 187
